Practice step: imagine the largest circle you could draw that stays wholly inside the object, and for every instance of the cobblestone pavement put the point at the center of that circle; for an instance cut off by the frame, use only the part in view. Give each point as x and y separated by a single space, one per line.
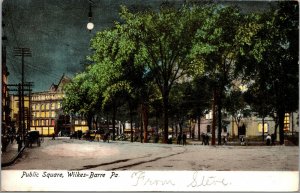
72 154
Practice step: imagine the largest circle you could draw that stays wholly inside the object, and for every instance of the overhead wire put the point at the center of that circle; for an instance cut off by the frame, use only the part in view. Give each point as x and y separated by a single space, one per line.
13 61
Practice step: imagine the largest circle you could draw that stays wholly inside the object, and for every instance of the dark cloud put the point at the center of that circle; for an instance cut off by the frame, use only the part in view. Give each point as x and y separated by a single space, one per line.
55 31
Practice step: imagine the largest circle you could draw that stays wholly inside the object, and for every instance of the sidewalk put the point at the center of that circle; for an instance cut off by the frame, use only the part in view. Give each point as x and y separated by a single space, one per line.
232 143
11 154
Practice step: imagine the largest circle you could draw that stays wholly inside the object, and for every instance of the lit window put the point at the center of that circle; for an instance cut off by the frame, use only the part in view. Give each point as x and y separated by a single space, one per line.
76 122
47 106
266 127
58 105
209 115
286 122
32 122
53 106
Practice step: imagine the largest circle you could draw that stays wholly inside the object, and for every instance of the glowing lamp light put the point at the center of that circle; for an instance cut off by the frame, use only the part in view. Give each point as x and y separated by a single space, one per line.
90 26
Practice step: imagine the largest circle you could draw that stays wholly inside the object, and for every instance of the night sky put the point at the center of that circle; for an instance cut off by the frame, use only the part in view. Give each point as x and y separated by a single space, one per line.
55 31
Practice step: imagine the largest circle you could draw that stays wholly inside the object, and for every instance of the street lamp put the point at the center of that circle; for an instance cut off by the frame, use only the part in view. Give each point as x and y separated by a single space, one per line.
90 24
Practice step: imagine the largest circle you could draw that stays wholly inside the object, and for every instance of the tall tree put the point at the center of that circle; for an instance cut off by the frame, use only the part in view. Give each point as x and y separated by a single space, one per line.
274 67
82 97
166 42
225 32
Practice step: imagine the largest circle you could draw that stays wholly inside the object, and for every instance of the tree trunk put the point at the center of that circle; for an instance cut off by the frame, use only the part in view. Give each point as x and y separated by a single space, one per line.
281 114
145 122
176 130
165 114
263 129
131 128
141 126
114 121
276 126
213 139
199 129
190 129
180 128
219 116
89 121
107 121
156 122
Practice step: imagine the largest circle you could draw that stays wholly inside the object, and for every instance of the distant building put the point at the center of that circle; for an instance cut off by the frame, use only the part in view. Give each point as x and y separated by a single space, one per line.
5 119
47 114
253 125
14 110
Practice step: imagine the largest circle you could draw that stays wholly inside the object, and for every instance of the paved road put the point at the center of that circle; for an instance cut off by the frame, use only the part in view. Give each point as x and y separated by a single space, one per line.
72 154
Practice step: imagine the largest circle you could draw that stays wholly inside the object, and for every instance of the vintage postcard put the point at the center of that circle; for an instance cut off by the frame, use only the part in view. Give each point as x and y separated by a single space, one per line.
176 95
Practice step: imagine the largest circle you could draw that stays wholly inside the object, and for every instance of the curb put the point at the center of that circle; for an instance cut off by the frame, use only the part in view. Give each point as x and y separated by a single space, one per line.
14 158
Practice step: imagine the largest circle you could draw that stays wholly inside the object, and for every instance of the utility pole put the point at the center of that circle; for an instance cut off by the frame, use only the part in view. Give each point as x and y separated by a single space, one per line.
20 109
23 52
29 117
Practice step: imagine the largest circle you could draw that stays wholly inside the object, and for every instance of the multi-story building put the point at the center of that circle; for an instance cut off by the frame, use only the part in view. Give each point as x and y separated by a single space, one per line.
5 95
47 114
14 110
46 108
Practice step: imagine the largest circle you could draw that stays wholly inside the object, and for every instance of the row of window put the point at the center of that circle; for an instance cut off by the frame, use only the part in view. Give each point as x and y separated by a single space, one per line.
44 114
77 122
46 106
47 97
286 124
43 122
51 122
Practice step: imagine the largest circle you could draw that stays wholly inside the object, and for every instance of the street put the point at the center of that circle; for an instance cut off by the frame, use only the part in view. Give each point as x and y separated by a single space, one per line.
73 154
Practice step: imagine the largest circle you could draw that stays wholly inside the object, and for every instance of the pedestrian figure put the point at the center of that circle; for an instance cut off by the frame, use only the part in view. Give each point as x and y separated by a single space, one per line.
225 140
179 139
11 138
18 138
273 139
206 139
97 135
79 134
242 140
53 136
268 139
184 139
170 139
107 137
203 138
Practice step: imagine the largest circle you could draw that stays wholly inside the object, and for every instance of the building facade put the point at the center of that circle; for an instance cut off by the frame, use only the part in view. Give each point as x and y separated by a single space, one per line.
47 114
253 126
5 111
14 111
46 108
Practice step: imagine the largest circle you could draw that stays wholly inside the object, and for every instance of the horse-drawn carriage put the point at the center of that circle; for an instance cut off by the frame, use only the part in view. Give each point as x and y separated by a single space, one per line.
33 137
